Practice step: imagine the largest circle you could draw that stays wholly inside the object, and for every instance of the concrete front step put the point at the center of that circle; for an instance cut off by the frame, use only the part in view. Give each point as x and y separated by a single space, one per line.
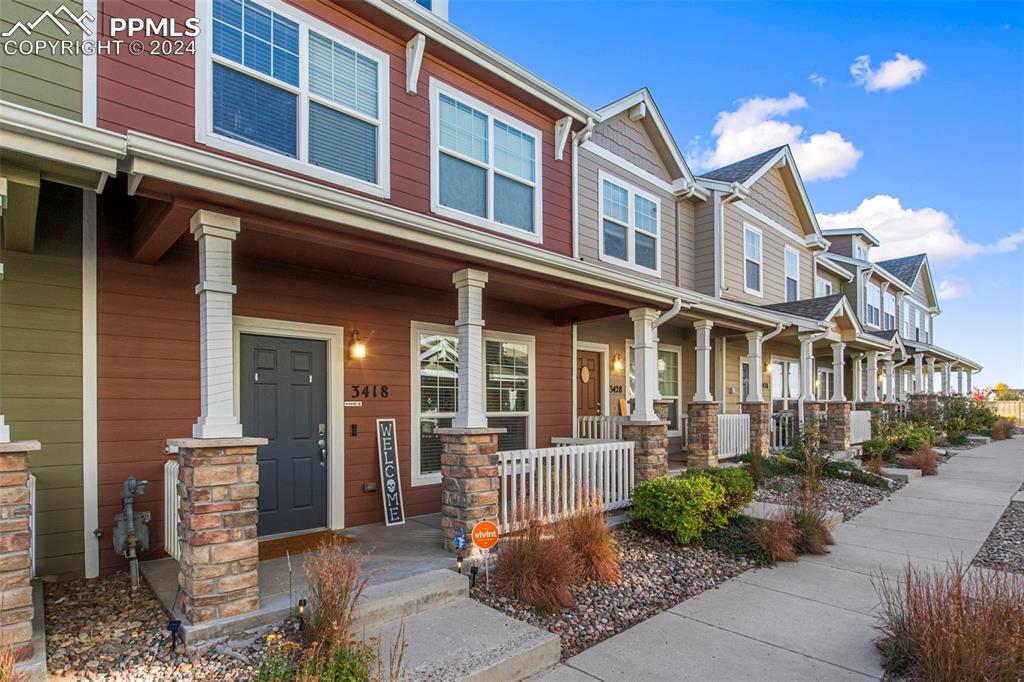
979 440
465 640
396 599
769 510
904 475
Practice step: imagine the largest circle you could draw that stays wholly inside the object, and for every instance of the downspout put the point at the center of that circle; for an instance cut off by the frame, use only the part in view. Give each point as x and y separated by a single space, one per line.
772 334
677 305
719 229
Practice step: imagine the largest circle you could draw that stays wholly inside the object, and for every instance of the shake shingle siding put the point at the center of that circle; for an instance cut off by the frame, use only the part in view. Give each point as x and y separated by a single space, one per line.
629 140
770 197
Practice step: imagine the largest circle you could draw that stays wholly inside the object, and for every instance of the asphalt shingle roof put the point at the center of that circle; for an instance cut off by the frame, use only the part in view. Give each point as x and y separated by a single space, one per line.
887 334
811 308
904 269
741 170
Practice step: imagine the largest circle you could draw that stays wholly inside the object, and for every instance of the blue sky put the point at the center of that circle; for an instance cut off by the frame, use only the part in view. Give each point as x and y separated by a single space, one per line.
930 135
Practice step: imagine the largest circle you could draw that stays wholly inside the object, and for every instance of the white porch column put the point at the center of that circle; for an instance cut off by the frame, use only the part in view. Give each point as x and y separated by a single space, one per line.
470 325
931 375
890 381
215 232
754 394
645 362
946 383
838 395
872 394
807 368
960 381
703 348
918 372
857 379
970 380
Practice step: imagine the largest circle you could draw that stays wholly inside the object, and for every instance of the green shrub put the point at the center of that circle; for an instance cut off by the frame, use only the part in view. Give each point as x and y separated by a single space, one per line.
684 508
736 539
773 465
876 447
738 484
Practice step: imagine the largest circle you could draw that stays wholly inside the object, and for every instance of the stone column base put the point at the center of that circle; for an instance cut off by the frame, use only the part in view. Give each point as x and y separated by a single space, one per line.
760 425
650 455
15 549
838 429
470 483
702 432
218 481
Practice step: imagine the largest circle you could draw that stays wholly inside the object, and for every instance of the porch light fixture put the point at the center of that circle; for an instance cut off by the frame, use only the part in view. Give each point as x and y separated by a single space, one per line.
458 563
356 347
617 363
302 612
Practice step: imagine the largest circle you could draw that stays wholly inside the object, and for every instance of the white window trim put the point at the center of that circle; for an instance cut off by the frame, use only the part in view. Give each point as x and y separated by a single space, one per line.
828 371
825 284
744 360
438 88
887 296
791 401
415 329
867 305
204 100
631 228
785 271
678 350
760 261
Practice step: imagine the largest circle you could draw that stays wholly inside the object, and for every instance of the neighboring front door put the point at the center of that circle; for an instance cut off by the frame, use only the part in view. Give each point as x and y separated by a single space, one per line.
284 399
588 383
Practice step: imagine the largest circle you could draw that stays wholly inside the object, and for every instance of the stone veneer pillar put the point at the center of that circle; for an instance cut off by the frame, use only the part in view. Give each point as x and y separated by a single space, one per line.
813 410
650 456
470 483
16 549
702 432
760 425
838 421
218 481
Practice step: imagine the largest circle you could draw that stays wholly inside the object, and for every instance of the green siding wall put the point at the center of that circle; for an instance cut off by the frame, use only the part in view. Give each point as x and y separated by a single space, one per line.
41 372
50 83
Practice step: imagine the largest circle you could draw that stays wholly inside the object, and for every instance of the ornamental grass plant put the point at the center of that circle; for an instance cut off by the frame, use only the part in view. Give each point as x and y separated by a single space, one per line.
591 542
536 566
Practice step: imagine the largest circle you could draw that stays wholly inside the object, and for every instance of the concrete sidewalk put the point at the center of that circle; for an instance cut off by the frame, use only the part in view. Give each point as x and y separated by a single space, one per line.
814 620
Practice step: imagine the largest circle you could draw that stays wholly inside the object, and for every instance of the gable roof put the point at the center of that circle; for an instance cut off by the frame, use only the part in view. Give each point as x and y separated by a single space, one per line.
887 334
655 126
819 309
905 268
742 170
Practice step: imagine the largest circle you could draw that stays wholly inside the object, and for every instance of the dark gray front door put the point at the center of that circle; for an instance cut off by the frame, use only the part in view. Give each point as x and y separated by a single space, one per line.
284 399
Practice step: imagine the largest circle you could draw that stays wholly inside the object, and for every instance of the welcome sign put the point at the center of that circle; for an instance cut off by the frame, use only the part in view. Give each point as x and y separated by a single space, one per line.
391 484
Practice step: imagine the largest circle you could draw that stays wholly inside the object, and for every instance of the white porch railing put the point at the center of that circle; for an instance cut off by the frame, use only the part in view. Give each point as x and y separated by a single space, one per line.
600 427
171 503
784 426
860 426
552 483
902 409
733 435
32 521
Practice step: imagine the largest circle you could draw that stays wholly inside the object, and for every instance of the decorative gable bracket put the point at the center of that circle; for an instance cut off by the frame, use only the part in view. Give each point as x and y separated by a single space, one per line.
414 50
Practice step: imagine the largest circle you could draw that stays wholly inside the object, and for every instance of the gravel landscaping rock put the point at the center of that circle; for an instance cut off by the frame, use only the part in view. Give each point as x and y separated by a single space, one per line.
846 497
656 575
97 629
1004 548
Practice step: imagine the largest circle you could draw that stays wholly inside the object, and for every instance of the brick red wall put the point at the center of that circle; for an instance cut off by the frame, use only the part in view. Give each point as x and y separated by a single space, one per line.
148 324
156 95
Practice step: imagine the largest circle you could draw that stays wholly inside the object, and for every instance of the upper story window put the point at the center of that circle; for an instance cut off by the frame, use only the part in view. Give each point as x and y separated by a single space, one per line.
287 89
889 311
822 287
873 304
753 258
792 274
907 312
860 252
485 166
629 225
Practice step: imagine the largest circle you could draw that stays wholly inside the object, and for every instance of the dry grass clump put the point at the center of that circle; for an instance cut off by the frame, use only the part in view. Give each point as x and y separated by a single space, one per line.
332 577
873 465
807 517
591 543
775 536
536 566
953 624
7 672
1002 430
814 466
923 458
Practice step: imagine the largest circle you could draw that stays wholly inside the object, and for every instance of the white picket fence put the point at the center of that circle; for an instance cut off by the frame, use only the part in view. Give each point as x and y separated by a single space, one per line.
784 427
860 426
733 435
171 502
600 427
552 483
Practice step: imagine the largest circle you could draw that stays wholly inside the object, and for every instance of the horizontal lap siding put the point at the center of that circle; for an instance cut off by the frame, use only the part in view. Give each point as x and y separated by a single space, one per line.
149 369
704 246
773 261
41 373
156 95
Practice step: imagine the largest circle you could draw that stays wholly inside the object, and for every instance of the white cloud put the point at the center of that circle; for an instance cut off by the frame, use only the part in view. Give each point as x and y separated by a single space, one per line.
891 75
818 80
953 287
906 231
754 127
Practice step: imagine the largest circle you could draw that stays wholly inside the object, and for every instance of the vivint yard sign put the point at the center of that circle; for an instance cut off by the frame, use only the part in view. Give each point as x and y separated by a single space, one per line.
79 33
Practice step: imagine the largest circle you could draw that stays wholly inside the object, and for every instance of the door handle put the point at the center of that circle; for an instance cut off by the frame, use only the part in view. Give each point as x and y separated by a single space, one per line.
323 451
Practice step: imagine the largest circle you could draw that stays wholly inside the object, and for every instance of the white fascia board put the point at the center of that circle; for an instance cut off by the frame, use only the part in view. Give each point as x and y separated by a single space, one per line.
893 279
838 271
444 33
180 164
851 231
51 137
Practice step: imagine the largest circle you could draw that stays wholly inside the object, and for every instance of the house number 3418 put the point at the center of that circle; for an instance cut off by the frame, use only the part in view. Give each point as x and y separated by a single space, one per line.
370 391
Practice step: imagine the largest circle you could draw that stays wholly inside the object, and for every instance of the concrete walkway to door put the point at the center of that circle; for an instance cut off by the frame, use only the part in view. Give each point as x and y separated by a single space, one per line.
815 619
